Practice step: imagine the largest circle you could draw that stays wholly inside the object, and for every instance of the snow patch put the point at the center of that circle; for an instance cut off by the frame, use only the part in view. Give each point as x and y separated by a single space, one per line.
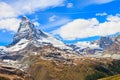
54 41
83 45
19 46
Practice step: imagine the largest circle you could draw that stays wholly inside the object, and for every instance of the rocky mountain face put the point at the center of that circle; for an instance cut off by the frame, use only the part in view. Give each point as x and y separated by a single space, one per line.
115 47
31 41
87 48
95 47
114 50
2 52
9 73
27 31
28 34
105 42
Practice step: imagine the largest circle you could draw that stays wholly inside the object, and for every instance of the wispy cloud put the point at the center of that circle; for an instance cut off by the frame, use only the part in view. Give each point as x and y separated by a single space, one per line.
18 7
6 11
52 18
10 24
30 6
84 3
101 14
55 24
69 5
84 28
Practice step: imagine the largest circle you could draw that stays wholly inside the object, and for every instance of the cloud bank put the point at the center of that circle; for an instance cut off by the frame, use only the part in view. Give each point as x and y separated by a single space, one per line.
84 28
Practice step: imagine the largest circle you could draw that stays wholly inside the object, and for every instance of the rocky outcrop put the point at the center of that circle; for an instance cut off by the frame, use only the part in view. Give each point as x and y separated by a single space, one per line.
9 73
105 42
114 50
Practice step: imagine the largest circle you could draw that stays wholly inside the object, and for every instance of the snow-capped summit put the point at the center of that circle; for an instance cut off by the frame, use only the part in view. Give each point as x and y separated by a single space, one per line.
24 19
27 31
28 34
83 45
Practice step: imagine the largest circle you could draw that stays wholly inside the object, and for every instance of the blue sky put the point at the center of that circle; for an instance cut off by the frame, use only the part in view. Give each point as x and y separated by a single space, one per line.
69 20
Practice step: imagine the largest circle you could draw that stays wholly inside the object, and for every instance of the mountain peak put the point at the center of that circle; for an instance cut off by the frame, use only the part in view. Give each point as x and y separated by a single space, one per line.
27 31
24 19
27 35
25 25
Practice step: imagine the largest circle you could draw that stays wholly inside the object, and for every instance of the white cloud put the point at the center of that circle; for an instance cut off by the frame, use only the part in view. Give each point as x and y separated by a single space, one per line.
30 6
69 5
52 18
55 24
77 29
6 11
101 14
82 28
10 10
114 18
19 7
8 20
10 24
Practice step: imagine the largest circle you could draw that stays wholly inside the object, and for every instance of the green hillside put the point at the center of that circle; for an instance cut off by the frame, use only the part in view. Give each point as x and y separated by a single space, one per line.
116 77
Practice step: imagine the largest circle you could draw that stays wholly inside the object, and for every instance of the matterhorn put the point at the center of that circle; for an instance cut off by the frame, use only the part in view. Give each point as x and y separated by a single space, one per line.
28 34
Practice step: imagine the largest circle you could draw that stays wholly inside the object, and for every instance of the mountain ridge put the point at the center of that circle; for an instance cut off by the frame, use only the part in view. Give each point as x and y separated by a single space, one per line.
28 34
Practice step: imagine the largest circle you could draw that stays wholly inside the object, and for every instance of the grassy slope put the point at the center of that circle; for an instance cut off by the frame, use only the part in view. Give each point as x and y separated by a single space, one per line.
48 70
4 78
116 77
84 70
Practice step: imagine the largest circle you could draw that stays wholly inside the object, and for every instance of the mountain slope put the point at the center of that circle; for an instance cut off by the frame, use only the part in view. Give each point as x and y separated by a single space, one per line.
115 77
50 59
80 69
114 50
9 73
28 34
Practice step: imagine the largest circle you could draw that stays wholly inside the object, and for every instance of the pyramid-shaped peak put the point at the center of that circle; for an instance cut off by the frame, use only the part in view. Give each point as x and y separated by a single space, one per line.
24 19
27 31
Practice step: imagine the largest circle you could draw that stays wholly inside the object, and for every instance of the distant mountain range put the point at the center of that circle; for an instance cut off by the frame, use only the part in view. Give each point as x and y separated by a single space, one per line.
28 35
33 49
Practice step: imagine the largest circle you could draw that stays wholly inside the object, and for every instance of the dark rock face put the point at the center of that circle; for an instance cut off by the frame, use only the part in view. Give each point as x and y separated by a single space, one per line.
28 36
13 57
109 43
27 31
105 42
115 47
